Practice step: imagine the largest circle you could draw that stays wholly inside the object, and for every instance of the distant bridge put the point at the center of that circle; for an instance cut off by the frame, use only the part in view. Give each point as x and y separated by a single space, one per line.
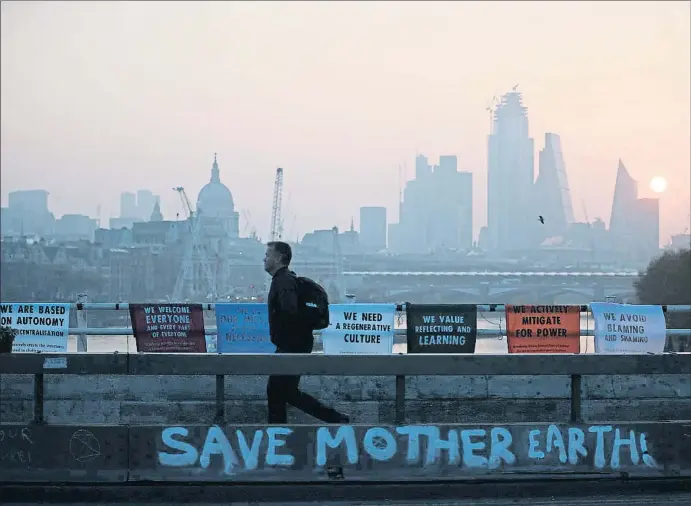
495 274
492 286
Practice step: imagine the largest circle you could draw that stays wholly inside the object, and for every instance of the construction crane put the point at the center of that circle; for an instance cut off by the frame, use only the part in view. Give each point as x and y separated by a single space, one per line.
490 110
592 239
185 201
248 225
585 212
246 217
195 261
276 220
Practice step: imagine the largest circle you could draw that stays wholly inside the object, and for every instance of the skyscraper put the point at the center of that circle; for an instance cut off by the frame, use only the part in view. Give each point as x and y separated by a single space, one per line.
373 228
634 225
436 212
145 204
450 206
622 222
422 167
28 214
35 201
552 195
128 205
648 226
510 175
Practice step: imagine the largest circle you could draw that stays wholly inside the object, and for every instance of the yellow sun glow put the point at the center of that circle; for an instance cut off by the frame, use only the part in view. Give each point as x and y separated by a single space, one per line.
658 184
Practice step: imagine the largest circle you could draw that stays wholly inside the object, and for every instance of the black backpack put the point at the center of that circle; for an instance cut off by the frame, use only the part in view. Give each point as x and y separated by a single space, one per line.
313 303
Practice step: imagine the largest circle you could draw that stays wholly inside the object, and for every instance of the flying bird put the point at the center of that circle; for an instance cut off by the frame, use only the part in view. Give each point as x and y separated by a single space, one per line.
541 219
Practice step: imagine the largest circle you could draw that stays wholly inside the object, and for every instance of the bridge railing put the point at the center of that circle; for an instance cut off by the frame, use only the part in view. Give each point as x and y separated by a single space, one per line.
83 330
212 450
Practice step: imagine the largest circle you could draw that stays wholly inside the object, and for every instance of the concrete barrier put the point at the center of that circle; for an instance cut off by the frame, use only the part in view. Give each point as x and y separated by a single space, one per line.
145 389
401 453
420 419
304 453
42 453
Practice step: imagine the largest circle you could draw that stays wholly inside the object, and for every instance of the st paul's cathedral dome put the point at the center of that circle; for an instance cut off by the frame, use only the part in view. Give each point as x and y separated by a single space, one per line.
215 202
215 199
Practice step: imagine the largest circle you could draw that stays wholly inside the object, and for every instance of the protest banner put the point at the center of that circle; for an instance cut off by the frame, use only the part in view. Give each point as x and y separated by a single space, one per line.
543 329
359 329
168 328
441 328
243 328
41 327
628 328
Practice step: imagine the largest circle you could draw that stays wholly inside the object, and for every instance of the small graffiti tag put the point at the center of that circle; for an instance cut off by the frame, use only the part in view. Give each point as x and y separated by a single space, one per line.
16 446
84 447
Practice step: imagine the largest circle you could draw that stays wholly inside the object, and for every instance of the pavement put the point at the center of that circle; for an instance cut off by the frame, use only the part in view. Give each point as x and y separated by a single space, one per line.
627 500
565 492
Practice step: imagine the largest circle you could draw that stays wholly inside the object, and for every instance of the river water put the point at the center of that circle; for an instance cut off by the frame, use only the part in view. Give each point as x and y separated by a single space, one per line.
487 345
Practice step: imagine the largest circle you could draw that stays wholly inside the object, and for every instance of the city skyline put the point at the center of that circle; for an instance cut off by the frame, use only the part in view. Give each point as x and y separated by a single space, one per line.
633 107
550 190
133 200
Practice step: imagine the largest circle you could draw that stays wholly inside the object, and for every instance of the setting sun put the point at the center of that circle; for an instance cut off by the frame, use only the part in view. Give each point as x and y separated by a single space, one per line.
658 184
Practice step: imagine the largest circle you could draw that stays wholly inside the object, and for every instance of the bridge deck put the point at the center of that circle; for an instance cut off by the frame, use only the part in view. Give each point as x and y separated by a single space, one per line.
586 492
624 500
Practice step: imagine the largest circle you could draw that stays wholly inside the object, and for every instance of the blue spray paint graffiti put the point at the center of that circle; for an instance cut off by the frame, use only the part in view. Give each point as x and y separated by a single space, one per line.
576 446
381 445
599 446
218 443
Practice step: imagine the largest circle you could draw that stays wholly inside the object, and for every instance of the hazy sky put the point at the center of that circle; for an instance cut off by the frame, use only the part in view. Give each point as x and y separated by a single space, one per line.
102 97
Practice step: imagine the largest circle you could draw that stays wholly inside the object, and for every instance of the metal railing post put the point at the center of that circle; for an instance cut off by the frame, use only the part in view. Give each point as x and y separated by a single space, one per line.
38 398
576 398
220 399
400 399
82 322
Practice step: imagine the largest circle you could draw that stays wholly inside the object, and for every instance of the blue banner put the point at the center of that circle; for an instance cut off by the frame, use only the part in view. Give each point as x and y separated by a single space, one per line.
243 328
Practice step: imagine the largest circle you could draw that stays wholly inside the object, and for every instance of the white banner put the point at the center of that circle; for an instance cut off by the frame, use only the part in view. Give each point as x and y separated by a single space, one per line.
359 329
627 328
42 327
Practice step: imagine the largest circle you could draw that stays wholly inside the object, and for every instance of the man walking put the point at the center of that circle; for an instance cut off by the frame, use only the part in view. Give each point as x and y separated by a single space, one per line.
290 334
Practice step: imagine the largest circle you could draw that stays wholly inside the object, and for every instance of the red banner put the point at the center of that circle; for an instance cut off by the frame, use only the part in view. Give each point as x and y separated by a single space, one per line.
168 328
543 329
